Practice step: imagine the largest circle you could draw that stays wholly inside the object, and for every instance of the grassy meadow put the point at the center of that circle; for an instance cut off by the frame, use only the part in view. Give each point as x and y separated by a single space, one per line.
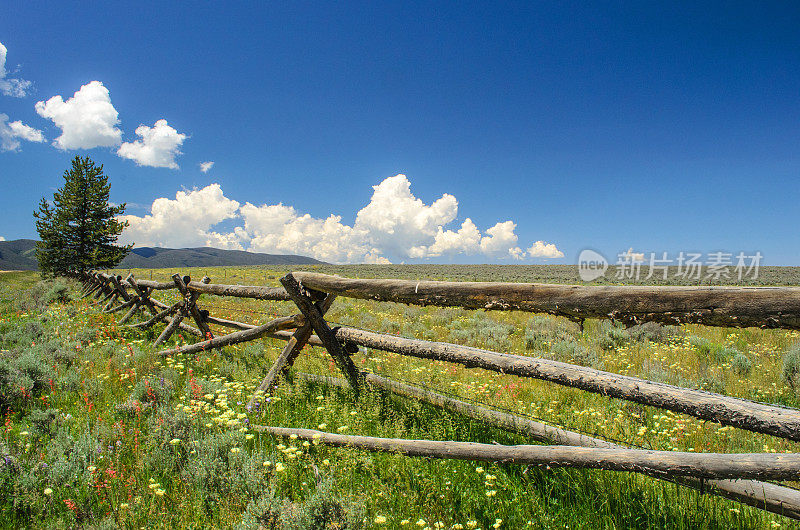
99 432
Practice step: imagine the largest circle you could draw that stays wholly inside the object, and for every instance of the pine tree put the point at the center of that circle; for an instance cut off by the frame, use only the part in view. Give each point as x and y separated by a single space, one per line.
79 230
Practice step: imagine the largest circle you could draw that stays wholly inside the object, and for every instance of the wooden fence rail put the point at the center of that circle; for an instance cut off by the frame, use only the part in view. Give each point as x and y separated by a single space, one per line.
771 497
313 294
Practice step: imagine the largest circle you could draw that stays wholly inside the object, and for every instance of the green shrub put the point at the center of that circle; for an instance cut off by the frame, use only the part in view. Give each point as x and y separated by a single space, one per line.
612 336
541 330
654 332
155 390
741 364
701 345
791 365
573 352
482 331
323 510
263 512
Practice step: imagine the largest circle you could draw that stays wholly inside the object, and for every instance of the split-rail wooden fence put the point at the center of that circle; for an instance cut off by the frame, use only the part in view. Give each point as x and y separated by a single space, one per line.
737 476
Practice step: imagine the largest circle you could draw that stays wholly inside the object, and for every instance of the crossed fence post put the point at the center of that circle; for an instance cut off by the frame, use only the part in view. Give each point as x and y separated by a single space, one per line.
313 305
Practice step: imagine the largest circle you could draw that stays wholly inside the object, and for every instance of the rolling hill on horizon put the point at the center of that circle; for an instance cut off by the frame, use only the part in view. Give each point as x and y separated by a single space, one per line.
19 254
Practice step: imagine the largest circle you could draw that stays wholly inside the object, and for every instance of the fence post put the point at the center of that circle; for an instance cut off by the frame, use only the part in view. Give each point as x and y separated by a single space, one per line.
315 318
190 306
290 352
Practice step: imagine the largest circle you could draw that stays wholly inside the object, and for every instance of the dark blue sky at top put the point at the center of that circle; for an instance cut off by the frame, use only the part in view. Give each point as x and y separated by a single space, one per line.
659 127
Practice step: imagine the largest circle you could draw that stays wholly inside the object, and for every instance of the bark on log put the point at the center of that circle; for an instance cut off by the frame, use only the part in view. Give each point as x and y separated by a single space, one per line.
229 323
240 291
170 329
764 495
184 326
110 302
130 313
143 293
770 307
312 313
239 336
775 421
123 292
93 287
123 305
775 466
157 317
191 306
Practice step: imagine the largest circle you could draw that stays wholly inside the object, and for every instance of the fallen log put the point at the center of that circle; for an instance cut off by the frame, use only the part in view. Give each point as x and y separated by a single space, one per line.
775 466
764 495
767 419
239 336
769 307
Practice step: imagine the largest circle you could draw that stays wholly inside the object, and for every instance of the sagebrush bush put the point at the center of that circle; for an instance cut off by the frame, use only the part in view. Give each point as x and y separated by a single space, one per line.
483 331
791 365
701 345
542 329
741 364
654 332
44 293
612 336
574 352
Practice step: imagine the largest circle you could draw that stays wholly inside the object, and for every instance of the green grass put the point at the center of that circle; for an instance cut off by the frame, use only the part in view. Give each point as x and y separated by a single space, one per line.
101 432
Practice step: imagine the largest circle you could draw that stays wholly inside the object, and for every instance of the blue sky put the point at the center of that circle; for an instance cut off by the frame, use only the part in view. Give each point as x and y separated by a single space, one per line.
655 127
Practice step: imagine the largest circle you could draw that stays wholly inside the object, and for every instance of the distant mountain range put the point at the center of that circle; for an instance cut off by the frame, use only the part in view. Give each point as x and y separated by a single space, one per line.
19 255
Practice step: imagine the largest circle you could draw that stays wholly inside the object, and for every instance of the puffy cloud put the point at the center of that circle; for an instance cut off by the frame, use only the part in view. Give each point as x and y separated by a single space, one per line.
280 229
394 224
540 249
87 119
158 146
184 221
630 255
396 221
8 86
467 240
501 241
12 132
2 238
205 166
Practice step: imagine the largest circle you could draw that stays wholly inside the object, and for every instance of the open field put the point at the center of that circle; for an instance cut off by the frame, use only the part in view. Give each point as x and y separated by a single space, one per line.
100 432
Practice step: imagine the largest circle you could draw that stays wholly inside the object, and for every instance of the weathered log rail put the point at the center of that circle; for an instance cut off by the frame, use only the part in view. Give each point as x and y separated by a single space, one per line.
313 294
774 466
771 497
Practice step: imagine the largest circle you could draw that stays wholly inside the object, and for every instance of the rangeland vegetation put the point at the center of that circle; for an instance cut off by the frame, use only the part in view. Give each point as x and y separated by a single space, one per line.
101 432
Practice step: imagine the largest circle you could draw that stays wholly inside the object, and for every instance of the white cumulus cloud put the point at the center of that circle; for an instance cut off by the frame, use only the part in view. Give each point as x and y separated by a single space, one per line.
393 225
206 166
158 146
182 222
540 249
87 119
466 240
9 86
396 221
631 256
2 238
501 241
12 132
